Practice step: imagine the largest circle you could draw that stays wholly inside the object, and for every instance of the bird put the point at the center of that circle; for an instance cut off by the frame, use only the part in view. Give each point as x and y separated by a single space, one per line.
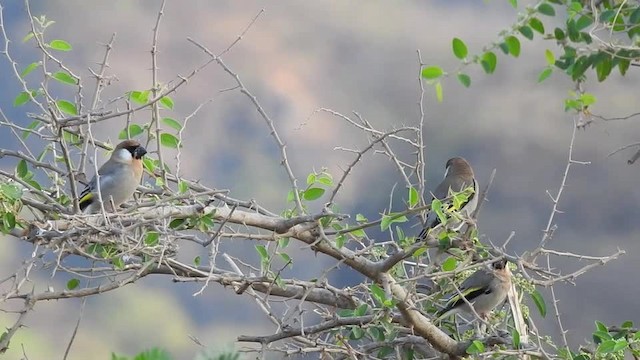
484 290
117 178
457 177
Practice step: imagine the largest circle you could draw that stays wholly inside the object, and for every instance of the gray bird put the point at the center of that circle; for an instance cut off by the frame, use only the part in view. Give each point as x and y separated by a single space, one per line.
484 289
457 177
118 178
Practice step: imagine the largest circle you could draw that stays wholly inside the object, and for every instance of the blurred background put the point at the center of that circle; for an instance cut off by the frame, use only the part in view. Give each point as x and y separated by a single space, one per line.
348 56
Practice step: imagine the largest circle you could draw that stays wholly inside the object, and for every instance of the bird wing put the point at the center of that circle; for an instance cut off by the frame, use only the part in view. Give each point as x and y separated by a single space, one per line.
88 195
475 285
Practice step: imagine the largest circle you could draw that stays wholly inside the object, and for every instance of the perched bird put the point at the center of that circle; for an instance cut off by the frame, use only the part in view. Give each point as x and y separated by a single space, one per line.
457 177
484 289
117 178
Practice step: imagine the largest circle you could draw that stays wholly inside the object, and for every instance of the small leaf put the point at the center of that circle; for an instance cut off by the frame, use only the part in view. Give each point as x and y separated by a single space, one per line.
169 140
606 347
134 130
64 78
262 251
117 262
526 32
536 25
361 310
197 260
140 97
311 179
601 327
539 301
548 55
459 48
450 264
60 45
515 339
514 3
389 219
340 241
360 218
67 107
489 62
73 283
152 238
545 74
21 99
11 191
432 72
514 45
285 257
167 102
414 197
28 37
183 187
313 193
439 95
476 347
464 79
436 206
546 9
21 169
29 69
378 293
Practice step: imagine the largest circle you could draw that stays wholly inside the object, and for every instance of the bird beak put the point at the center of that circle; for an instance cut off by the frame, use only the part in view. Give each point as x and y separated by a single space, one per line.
139 152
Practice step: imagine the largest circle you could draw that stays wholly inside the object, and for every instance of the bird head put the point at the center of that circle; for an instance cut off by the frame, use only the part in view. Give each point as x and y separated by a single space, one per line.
458 166
129 149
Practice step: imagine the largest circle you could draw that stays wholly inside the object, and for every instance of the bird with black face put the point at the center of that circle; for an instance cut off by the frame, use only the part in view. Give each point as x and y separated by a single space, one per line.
457 177
117 179
484 290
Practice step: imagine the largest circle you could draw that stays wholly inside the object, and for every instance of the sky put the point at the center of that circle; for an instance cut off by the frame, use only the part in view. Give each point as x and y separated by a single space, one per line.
356 56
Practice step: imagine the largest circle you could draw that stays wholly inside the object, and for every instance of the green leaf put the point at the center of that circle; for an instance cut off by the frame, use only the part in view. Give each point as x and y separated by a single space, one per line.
601 327
361 310
548 55
64 78
11 191
262 251
459 48
31 126
450 264
356 333
476 347
536 25
587 99
21 169
414 197
67 107
546 9
152 238
140 97
283 242
436 206
340 241
489 62
73 283
313 193
583 22
391 218
21 99
29 69
514 3
360 218
634 18
325 179
197 260
514 45
621 344
539 301
378 293
149 164
169 140
183 187
117 262
439 95
419 252
167 102
545 74
8 222
311 179
28 37
526 32
606 347
285 257
60 45
432 72
464 79
515 339
603 69
384 352
627 324
134 130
